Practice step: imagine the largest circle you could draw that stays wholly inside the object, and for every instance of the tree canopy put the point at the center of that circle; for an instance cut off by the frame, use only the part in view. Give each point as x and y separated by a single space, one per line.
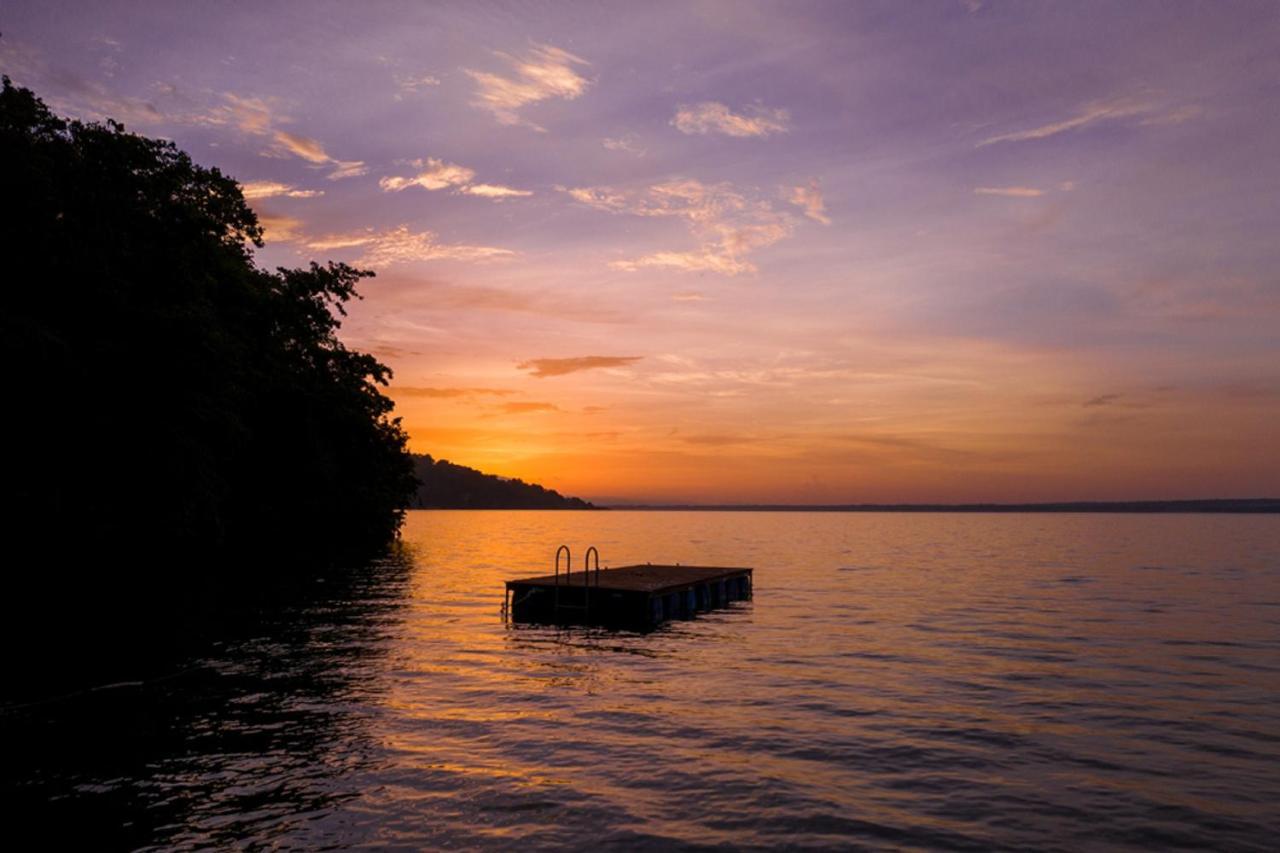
172 402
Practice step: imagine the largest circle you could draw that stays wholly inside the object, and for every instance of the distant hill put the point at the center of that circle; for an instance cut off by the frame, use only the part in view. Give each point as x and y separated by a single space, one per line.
448 486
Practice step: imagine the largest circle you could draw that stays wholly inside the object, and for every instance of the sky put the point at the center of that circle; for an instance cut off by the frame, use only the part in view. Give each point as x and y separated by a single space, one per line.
736 252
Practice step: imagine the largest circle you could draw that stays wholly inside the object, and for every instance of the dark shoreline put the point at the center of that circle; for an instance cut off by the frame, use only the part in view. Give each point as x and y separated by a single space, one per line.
1230 505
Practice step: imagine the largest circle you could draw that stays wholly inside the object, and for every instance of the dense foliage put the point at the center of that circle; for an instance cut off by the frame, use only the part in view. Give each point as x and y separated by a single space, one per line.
172 403
443 485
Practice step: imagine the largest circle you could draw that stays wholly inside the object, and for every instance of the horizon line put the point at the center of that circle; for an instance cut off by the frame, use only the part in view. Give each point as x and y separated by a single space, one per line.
1189 505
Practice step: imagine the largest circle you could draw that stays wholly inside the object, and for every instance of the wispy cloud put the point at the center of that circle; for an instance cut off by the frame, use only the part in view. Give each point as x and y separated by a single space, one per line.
257 117
808 197
446 393
282 229
108 60
1177 115
724 439
270 189
1011 192
1101 400
1193 298
524 408
543 73
702 260
544 367
347 169
543 302
304 147
411 83
1095 112
727 224
496 191
714 117
623 143
90 99
401 245
251 115
435 175
390 351
439 175
601 198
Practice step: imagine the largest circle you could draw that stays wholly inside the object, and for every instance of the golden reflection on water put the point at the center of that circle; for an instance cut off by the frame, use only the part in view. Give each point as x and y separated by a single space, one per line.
898 681
946 674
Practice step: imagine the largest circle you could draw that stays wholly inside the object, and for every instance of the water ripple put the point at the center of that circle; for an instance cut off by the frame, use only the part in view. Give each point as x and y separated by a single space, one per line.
899 681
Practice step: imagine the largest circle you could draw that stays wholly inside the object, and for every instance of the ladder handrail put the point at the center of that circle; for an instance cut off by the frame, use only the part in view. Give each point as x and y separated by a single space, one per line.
568 572
568 563
568 567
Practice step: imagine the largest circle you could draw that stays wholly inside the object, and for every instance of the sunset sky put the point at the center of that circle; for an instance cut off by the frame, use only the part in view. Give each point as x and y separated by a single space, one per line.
748 252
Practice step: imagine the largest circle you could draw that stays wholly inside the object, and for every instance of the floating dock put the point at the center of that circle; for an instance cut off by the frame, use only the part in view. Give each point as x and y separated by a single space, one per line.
629 596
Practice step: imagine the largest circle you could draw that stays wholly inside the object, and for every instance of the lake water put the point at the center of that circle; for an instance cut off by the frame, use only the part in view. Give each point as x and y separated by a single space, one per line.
899 680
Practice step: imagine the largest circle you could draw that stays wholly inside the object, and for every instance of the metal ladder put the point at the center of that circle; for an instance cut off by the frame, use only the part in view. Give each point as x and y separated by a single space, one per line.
585 606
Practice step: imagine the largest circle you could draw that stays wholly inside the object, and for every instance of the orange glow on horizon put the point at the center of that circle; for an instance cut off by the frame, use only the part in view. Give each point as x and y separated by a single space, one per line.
959 431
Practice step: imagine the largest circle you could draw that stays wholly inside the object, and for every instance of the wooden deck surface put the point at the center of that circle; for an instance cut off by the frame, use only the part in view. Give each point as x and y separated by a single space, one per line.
646 578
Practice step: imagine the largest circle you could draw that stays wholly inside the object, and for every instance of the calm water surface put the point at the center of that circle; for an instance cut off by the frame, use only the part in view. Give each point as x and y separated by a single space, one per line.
899 681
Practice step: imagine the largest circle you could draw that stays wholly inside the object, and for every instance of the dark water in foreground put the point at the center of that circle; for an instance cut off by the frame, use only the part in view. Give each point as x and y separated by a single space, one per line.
904 681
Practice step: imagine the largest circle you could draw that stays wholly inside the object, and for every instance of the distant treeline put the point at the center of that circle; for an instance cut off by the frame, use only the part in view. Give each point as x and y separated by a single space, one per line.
443 485
1230 505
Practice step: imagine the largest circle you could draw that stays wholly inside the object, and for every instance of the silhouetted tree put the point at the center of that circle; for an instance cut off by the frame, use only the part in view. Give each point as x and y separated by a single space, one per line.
170 403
